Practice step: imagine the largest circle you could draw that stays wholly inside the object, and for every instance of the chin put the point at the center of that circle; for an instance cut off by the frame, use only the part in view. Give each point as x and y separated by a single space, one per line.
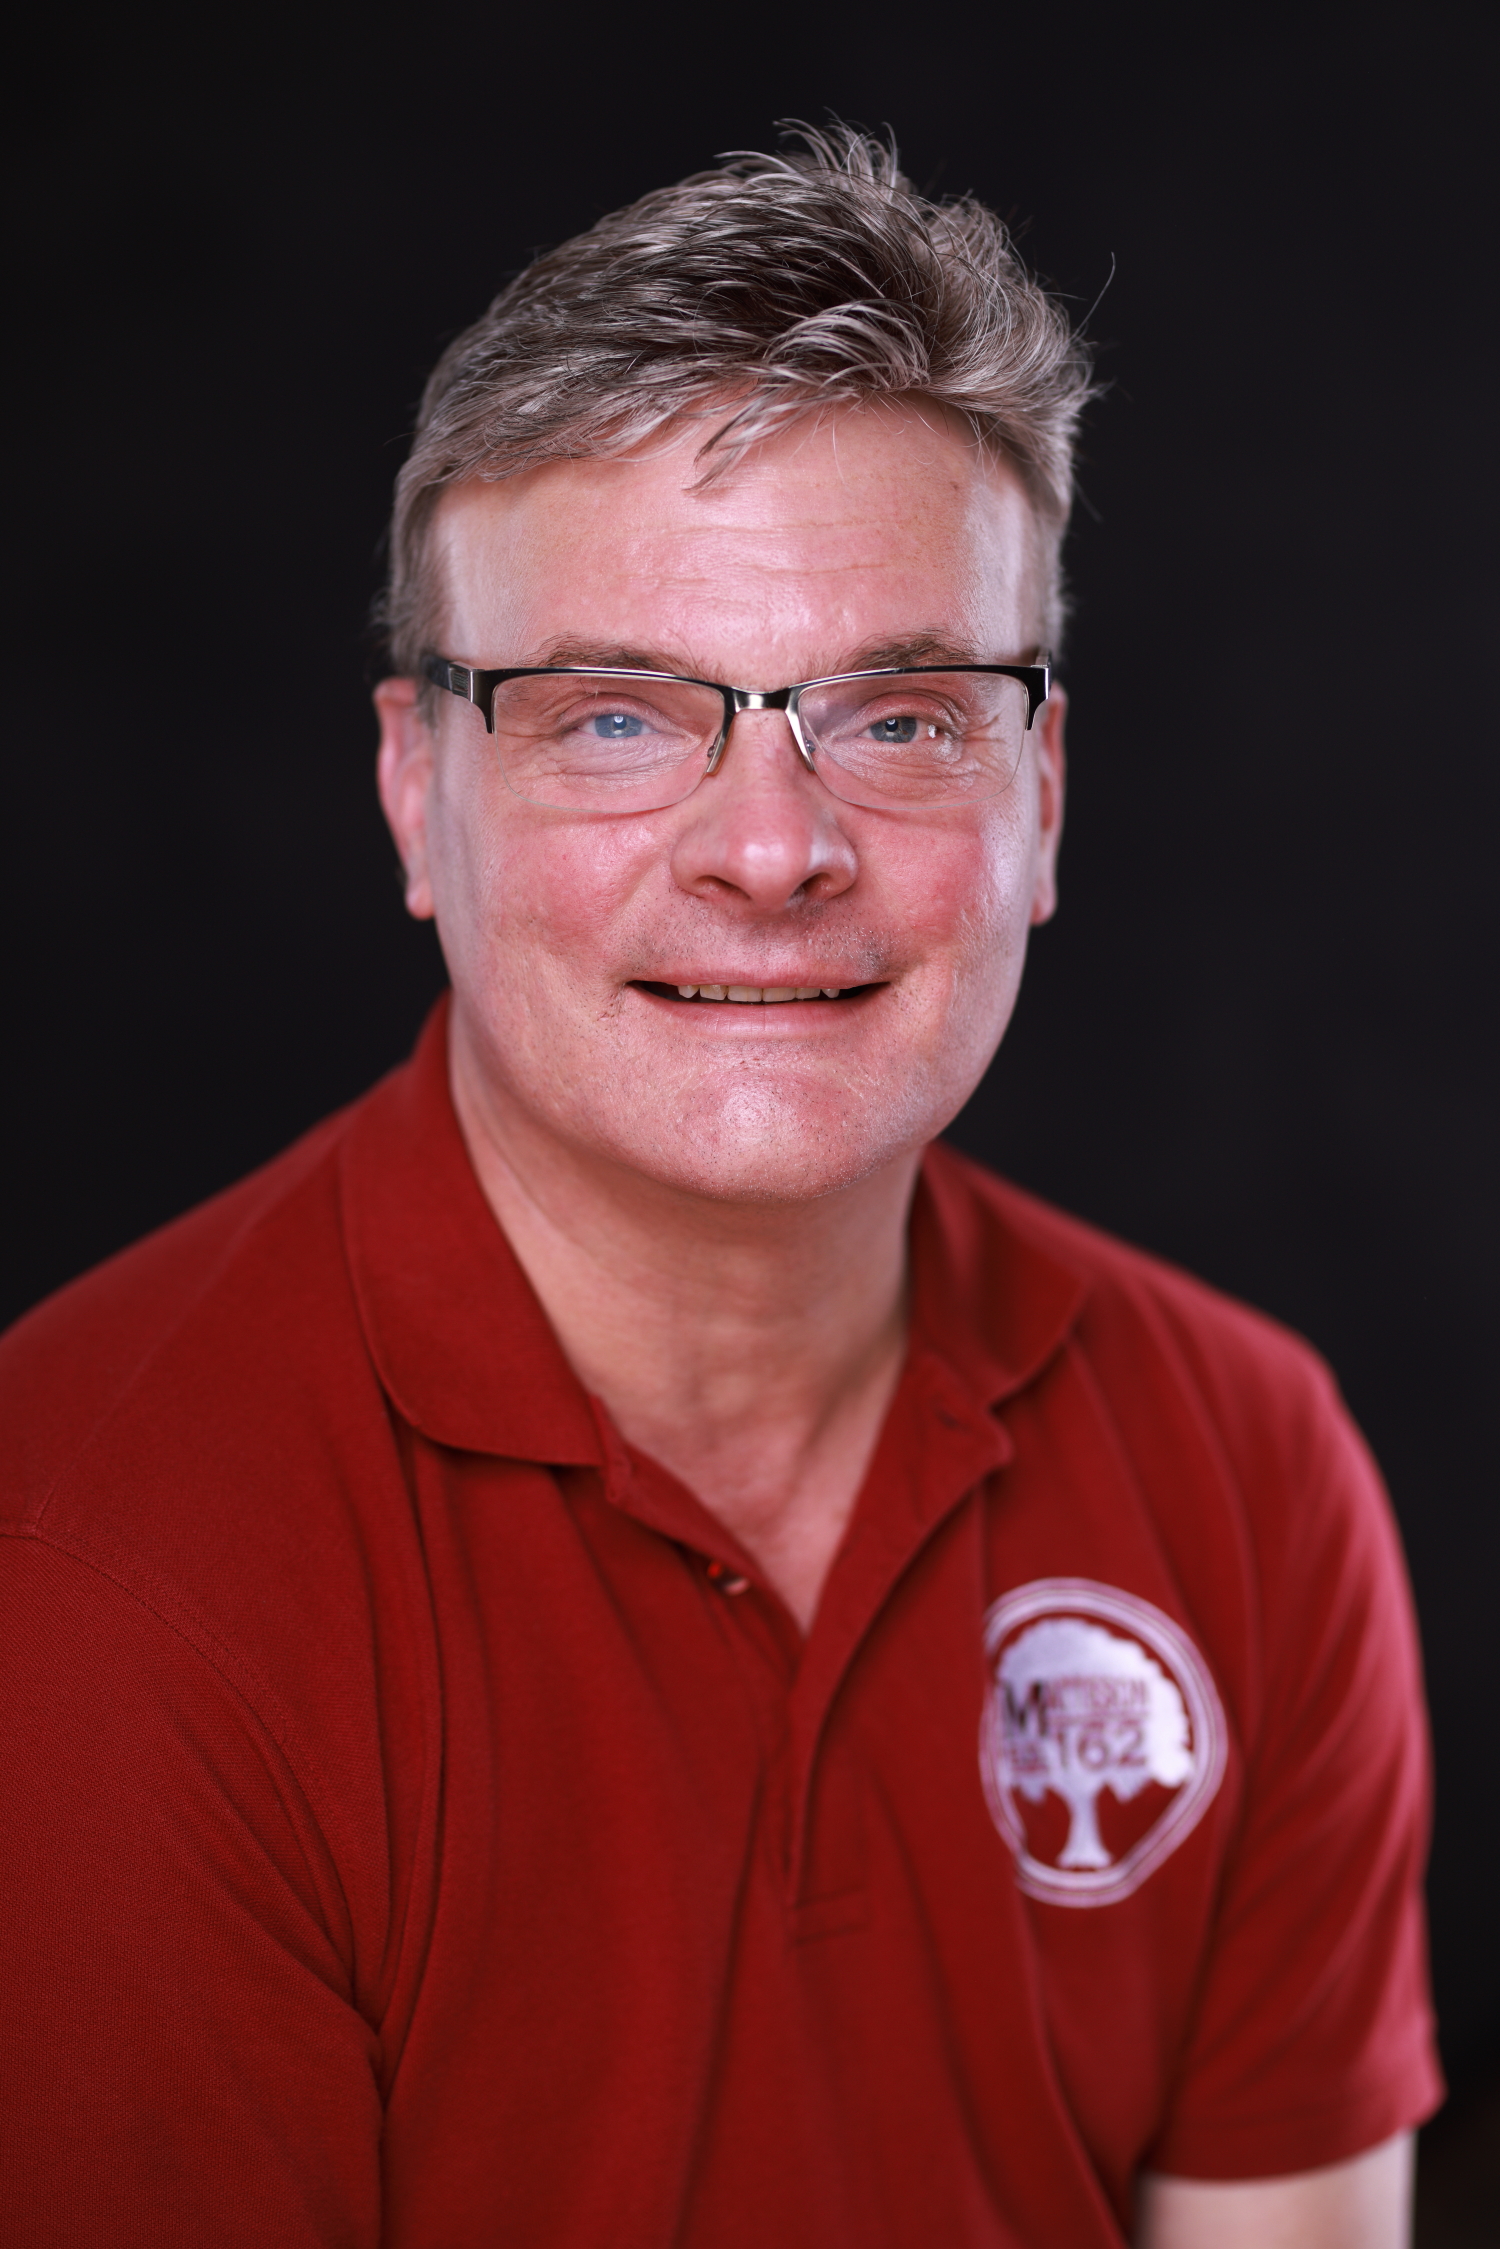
751 1146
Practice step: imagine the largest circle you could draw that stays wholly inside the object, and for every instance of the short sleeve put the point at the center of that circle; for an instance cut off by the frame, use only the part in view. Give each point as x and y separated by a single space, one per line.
182 2062
1313 2035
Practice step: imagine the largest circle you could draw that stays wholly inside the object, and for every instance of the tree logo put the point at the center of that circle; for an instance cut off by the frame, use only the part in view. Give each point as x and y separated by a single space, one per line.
1102 1742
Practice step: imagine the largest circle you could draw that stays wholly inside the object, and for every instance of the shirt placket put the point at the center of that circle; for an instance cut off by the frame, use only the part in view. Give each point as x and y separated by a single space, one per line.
938 1445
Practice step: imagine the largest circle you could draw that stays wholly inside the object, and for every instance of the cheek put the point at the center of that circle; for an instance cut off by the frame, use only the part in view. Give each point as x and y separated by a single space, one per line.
970 893
987 936
519 895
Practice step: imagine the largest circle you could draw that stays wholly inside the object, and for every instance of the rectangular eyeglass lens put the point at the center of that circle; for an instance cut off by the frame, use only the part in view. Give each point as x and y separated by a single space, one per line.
604 738
920 737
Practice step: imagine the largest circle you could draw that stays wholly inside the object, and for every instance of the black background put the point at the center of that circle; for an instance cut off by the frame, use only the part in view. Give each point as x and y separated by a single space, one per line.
1259 1039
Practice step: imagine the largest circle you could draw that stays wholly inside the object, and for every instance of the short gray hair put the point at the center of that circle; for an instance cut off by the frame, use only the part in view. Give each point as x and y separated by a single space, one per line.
772 286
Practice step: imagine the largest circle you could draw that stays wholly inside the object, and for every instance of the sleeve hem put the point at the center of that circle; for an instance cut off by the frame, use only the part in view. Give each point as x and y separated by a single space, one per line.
1303 2139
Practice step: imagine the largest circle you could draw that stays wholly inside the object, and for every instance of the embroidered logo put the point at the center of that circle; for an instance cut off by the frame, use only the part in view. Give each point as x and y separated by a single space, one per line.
1103 1741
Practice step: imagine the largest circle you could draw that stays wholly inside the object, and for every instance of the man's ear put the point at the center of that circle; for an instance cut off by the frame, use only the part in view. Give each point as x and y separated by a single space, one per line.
1051 782
403 772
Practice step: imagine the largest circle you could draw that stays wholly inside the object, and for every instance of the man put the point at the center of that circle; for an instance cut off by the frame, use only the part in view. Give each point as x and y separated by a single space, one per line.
618 1648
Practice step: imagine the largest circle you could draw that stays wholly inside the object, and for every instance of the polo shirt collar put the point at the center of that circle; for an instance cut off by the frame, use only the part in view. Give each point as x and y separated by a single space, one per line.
989 1297
458 1337
468 1356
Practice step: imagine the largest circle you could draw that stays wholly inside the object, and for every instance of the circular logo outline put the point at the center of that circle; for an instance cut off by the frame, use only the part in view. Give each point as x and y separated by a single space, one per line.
1162 1638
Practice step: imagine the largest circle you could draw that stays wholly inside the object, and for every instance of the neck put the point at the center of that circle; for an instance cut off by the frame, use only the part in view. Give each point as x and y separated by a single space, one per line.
751 1348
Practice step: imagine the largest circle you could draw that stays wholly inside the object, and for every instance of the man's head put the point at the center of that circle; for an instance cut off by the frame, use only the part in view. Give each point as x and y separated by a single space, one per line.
782 422
737 303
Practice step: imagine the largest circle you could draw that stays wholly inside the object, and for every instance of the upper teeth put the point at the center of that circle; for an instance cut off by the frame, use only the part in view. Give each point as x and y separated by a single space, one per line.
759 991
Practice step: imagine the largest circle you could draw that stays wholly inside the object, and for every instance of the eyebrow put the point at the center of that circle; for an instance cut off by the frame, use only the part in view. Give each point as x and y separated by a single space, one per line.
871 656
914 648
607 655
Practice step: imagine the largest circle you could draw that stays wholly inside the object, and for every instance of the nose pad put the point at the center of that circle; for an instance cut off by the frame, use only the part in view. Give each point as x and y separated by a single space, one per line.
747 699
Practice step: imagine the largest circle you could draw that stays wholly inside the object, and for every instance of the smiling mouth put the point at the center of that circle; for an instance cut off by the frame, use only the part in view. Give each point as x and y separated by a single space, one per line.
767 995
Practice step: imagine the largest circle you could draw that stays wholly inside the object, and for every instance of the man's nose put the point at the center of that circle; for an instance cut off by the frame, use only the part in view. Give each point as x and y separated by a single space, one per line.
763 828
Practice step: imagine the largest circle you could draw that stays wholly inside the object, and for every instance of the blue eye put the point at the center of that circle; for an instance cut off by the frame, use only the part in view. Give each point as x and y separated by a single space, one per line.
617 726
895 730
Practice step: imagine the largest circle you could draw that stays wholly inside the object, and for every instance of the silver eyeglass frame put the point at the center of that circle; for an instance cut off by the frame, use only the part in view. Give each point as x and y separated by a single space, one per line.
480 688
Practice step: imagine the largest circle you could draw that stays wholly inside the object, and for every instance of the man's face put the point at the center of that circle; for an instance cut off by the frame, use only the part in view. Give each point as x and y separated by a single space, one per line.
876 536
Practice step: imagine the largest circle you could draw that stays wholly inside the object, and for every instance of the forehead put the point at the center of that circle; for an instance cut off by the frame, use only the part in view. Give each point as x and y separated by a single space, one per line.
870 523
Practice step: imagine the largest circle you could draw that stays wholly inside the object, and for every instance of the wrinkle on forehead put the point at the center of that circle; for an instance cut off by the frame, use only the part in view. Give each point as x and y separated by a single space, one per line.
878 655
864 529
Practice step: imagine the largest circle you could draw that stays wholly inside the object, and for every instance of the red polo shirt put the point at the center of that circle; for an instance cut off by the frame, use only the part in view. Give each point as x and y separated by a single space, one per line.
426 1828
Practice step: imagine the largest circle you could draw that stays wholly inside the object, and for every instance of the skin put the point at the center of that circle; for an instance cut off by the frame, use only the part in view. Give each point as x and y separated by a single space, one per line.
1363 2204
711 1200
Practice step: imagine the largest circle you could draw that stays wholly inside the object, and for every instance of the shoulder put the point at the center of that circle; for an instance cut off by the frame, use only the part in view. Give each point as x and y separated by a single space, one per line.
198 1306
1227 1416
207 1547
198 1457
1129 1296
1138 1314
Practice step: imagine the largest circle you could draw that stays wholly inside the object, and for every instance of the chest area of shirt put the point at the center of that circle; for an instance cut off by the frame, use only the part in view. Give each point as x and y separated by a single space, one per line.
992 1807
1009 1680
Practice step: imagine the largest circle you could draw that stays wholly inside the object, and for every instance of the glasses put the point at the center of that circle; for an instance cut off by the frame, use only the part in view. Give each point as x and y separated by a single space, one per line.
580 737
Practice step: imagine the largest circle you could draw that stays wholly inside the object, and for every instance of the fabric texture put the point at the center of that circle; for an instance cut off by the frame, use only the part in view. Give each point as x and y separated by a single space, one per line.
423 1826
